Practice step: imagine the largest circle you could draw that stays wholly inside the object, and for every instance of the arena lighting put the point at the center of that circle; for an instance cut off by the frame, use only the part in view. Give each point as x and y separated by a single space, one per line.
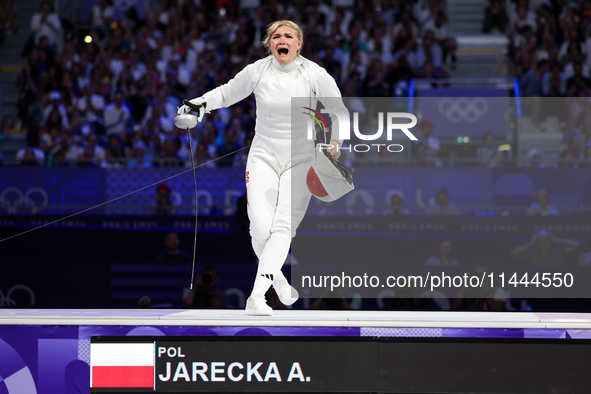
504 147
88 39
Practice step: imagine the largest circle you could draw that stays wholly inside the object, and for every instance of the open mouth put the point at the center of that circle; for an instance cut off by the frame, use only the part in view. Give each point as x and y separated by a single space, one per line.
283 51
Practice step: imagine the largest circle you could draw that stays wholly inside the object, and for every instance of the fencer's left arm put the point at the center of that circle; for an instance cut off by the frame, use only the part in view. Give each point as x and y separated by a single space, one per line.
330 95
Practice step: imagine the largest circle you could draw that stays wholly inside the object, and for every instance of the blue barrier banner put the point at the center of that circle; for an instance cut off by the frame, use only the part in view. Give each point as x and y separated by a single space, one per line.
50 191
217 189
472 191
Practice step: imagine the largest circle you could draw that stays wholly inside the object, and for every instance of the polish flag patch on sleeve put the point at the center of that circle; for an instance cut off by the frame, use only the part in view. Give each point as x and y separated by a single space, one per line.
122 365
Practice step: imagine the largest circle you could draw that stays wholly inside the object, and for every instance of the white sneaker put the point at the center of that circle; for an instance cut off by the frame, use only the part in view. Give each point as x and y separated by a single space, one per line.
257 306
287 293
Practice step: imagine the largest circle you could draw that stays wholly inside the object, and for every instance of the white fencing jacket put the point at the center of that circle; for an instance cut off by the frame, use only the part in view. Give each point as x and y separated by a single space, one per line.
274 86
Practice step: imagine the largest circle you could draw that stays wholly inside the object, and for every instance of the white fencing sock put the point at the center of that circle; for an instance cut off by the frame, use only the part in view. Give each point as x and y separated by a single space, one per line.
258 250
270 263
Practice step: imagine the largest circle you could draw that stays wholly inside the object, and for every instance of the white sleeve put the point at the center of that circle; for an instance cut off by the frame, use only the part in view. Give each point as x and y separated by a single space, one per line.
54 21
433 260
108 13
46 113
332 100
126 113
64 113
39 154
500 295
238 88
20 155
36 22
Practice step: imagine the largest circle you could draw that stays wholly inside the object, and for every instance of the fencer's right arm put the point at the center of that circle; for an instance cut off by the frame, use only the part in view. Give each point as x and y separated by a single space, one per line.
238 88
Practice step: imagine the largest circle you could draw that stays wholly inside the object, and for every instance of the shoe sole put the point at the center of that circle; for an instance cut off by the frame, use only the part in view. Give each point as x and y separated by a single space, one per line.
256 312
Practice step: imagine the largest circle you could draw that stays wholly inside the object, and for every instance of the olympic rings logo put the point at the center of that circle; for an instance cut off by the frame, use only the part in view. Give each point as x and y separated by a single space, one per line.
8 301
13 199
463 108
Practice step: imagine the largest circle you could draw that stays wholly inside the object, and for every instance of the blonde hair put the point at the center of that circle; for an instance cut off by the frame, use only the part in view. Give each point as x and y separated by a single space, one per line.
276 25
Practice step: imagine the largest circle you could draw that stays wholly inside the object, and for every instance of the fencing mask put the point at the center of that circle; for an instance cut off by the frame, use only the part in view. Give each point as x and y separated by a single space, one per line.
328 179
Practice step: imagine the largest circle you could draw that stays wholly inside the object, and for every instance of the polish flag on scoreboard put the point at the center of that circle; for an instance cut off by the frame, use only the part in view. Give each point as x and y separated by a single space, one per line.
122 365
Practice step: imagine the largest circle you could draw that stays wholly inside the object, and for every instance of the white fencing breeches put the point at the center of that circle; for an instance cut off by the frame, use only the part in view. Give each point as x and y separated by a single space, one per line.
277 198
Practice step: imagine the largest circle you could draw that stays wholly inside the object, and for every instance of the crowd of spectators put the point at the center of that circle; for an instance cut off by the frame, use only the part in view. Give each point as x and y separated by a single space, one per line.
108 96
550 49
7 15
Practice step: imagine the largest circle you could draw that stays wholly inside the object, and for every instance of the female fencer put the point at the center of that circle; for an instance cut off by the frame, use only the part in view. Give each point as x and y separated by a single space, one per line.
280 154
